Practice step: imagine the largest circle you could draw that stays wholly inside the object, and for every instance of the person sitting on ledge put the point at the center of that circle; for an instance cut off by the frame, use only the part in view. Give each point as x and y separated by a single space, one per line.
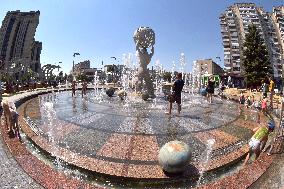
259 139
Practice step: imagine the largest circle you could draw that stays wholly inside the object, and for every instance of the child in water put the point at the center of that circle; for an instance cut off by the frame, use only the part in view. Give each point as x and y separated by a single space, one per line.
242 98
259 139
264 105
247 102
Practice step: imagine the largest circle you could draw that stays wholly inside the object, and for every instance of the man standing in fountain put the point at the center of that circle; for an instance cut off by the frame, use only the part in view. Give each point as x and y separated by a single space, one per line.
84 88
144 38
176 95
73 87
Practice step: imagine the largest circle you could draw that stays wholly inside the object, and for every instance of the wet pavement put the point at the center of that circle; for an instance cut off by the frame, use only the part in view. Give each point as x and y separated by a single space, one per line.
11 174
273 178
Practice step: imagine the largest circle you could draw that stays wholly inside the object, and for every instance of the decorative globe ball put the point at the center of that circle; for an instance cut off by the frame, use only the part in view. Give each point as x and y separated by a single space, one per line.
110 91
121 94
203 92
174 156
144 36
145 96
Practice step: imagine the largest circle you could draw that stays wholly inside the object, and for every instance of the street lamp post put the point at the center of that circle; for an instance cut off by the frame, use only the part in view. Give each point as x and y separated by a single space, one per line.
74 54
58 67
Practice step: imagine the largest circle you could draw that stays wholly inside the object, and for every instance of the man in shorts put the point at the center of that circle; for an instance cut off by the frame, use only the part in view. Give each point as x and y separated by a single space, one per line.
73 87
84 88
176 95
259 139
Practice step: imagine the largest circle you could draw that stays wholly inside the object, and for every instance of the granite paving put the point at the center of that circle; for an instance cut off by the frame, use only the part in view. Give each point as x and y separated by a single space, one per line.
11 173
89 130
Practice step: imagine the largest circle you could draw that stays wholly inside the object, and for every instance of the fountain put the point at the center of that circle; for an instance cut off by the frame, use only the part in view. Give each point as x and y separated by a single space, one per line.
144 37
208 152
117 142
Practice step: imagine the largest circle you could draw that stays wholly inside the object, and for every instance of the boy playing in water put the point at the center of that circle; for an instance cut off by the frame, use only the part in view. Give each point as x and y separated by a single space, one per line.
259 139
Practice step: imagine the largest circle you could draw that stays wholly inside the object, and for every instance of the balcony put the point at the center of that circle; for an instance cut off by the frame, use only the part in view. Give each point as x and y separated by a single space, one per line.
235 43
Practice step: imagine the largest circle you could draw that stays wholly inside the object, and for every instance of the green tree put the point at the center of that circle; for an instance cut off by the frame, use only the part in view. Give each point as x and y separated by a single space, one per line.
256 58
82 77
167 76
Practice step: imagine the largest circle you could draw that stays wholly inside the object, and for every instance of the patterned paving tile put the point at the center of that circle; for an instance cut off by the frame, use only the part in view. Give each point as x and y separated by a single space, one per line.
144 148
116 146
85 141
145 171
222 139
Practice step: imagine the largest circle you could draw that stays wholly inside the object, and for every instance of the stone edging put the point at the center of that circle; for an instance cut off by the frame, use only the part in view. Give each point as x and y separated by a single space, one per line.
22 156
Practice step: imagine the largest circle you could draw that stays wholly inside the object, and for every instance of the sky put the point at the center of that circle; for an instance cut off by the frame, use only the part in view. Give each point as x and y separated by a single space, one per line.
101 29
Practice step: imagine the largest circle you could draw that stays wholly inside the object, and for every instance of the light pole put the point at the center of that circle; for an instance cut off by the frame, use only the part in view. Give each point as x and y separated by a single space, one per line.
74 54
113 71
58 70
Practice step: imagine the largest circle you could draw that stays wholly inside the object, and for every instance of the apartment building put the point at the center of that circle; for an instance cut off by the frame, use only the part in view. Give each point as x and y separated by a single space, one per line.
278 21
207 67
84 68
234 26
18 48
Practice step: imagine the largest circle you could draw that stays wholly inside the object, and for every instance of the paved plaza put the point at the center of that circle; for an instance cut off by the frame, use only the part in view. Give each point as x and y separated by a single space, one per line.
102 138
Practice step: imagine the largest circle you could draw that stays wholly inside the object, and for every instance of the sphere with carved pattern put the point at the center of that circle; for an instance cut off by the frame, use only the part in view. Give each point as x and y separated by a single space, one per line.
144 37
174 156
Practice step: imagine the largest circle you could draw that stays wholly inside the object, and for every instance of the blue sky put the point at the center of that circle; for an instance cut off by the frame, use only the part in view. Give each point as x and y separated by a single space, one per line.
100 29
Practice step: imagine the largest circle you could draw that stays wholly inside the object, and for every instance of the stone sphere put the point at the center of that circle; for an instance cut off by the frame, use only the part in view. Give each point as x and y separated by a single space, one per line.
203 92
145 96
110 92
174 156
144 36
121 94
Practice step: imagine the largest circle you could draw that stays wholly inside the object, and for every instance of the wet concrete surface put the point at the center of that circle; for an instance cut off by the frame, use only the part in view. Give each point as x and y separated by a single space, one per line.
273 178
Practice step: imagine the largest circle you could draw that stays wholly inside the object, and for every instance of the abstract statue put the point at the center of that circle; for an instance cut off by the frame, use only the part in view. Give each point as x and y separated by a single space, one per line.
144 37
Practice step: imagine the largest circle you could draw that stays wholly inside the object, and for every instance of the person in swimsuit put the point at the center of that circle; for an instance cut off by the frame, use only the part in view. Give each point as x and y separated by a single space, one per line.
259 139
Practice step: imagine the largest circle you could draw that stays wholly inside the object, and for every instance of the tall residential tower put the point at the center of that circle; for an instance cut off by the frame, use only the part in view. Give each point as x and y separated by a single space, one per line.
18 48
234 26
278 21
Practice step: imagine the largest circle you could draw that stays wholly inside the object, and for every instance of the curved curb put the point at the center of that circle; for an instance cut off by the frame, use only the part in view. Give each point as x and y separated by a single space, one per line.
46 175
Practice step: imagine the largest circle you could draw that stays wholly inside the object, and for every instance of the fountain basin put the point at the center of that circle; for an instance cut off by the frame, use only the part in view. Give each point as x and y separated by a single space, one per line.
131 151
